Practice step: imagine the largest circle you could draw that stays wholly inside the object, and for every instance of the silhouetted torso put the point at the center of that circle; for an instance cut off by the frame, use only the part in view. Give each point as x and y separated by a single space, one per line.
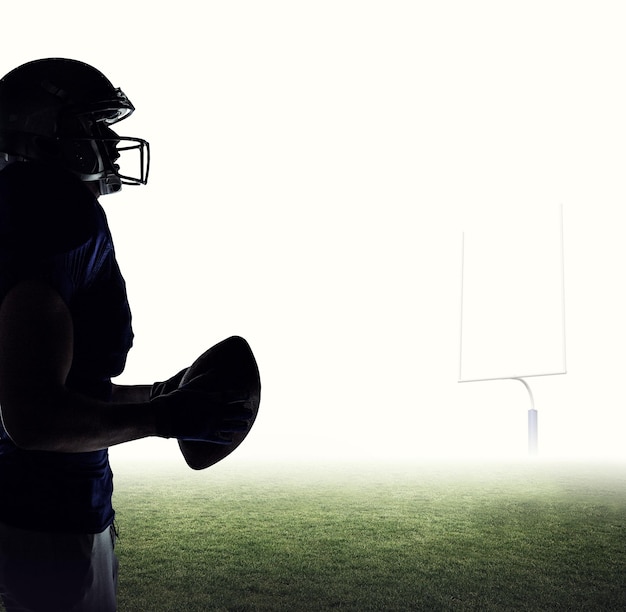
52 228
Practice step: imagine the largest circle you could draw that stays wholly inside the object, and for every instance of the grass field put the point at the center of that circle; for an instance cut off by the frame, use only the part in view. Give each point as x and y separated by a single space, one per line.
347 537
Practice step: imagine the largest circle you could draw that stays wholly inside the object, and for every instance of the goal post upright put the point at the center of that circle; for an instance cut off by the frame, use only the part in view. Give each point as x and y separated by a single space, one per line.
533 426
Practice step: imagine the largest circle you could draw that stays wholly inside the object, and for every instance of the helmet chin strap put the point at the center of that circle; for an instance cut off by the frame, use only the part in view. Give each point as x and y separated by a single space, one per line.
108 185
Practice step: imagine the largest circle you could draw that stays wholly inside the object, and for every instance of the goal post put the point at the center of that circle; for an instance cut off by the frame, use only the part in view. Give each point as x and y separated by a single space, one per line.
500 279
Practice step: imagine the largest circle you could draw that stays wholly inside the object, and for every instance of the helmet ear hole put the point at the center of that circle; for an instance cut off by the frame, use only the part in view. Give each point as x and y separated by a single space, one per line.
82 156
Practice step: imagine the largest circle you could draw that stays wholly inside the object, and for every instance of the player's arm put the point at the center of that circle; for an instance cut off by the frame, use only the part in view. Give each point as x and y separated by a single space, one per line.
125 394
143 393
38 411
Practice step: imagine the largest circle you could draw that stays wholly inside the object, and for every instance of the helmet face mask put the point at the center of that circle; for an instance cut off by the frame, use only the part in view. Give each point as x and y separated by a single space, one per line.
58 111
110 161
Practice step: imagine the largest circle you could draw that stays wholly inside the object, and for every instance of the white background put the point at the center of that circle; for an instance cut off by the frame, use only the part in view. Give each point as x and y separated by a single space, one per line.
314 165
514 305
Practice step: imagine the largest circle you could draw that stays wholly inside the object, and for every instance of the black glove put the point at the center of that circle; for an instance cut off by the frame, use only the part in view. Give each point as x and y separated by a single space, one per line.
200 411
167 386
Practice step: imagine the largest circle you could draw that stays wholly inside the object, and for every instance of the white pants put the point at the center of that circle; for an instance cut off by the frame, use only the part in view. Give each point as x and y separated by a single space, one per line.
57 572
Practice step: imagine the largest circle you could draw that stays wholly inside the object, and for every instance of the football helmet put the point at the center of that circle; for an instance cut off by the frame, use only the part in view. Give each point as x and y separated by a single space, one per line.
60 111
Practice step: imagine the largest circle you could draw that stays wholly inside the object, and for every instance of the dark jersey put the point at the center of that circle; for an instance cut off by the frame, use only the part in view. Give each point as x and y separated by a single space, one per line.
52 228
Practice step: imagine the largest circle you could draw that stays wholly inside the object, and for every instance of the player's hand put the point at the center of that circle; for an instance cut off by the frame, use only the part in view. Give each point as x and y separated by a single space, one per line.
167 386
200 411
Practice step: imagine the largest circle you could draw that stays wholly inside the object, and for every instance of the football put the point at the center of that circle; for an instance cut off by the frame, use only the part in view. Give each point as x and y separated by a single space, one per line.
232 364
